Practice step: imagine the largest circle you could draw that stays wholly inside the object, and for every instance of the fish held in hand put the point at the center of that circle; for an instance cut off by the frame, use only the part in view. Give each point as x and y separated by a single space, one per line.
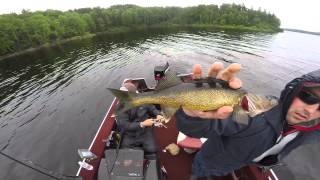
204 98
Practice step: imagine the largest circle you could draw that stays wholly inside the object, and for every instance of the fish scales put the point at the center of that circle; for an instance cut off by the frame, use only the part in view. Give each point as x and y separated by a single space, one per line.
204 99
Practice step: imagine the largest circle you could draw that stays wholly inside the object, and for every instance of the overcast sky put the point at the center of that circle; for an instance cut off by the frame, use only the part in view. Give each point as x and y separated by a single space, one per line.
296 14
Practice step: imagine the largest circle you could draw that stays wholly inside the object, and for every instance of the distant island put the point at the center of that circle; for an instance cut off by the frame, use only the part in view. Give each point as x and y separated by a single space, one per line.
302 31
30 30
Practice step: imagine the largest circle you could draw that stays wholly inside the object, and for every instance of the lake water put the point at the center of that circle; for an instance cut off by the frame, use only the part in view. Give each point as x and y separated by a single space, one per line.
52 101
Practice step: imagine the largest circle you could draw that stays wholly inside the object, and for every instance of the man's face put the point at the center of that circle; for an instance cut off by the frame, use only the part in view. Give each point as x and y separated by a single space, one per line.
300 111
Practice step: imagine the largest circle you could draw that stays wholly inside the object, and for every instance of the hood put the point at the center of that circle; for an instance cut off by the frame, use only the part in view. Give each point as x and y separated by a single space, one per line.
293 87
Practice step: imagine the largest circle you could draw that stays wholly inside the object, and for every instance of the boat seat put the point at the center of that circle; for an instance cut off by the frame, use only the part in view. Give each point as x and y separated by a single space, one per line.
121 164
190 144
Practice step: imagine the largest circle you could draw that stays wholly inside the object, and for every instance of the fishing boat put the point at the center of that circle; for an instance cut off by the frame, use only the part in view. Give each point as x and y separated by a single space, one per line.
102 158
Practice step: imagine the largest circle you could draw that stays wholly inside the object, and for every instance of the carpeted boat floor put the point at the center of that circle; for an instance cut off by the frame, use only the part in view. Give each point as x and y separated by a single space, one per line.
178 167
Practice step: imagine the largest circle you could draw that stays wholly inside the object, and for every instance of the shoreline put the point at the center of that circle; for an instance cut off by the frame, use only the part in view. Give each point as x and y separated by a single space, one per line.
119 30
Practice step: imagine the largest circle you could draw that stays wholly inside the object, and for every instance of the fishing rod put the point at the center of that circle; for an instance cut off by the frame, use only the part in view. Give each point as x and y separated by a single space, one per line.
44 171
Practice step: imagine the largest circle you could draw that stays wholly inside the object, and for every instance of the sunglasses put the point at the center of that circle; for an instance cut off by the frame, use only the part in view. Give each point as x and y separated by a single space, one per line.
308 98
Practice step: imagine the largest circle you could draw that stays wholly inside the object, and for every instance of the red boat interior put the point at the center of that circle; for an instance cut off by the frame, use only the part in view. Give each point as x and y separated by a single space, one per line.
179 167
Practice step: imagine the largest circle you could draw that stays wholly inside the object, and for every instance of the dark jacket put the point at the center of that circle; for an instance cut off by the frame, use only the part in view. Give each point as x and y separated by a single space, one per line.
231 145
129 121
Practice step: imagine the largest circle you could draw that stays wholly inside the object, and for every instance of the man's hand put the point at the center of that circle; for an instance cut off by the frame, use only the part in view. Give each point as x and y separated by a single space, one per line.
161 119
147 123
217 71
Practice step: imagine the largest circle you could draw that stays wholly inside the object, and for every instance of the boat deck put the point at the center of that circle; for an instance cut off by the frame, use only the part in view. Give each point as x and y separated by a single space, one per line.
178 167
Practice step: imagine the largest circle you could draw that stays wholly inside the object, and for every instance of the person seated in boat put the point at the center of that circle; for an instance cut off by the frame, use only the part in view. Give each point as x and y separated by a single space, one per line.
137 124
266 139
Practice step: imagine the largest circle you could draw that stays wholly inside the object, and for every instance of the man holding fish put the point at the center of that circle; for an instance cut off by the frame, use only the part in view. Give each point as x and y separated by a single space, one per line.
241 128
266 138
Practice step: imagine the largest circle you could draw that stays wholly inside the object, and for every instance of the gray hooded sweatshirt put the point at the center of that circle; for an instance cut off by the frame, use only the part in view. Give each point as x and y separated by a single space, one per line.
231 146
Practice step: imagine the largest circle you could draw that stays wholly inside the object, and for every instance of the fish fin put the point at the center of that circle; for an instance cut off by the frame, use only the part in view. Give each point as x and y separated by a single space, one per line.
171 79
240 115
125 99
259 103
168 112
213 82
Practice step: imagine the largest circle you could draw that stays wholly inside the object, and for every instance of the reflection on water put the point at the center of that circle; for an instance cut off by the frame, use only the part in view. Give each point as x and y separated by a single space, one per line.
52 101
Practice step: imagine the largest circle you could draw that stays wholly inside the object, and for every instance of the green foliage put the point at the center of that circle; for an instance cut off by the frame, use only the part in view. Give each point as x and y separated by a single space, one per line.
37 28
72 25
31 29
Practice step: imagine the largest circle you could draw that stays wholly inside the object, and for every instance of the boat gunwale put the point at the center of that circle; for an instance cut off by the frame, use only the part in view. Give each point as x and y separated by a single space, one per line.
102 124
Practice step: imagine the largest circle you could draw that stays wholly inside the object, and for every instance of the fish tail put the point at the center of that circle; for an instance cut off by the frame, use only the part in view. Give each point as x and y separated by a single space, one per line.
125 100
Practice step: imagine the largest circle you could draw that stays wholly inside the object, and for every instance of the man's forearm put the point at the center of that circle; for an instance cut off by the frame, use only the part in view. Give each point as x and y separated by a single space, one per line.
192 126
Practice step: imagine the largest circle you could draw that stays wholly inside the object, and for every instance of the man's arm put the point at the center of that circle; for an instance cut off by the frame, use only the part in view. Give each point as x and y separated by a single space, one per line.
198 127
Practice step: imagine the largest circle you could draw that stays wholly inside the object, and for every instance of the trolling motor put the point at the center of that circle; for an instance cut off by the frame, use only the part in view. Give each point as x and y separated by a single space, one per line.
160 71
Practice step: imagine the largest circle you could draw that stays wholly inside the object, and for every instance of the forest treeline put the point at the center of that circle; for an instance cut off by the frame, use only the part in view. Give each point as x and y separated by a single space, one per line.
31 29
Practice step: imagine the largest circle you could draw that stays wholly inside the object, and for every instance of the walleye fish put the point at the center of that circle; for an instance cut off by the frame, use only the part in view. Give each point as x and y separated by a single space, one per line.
172 93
